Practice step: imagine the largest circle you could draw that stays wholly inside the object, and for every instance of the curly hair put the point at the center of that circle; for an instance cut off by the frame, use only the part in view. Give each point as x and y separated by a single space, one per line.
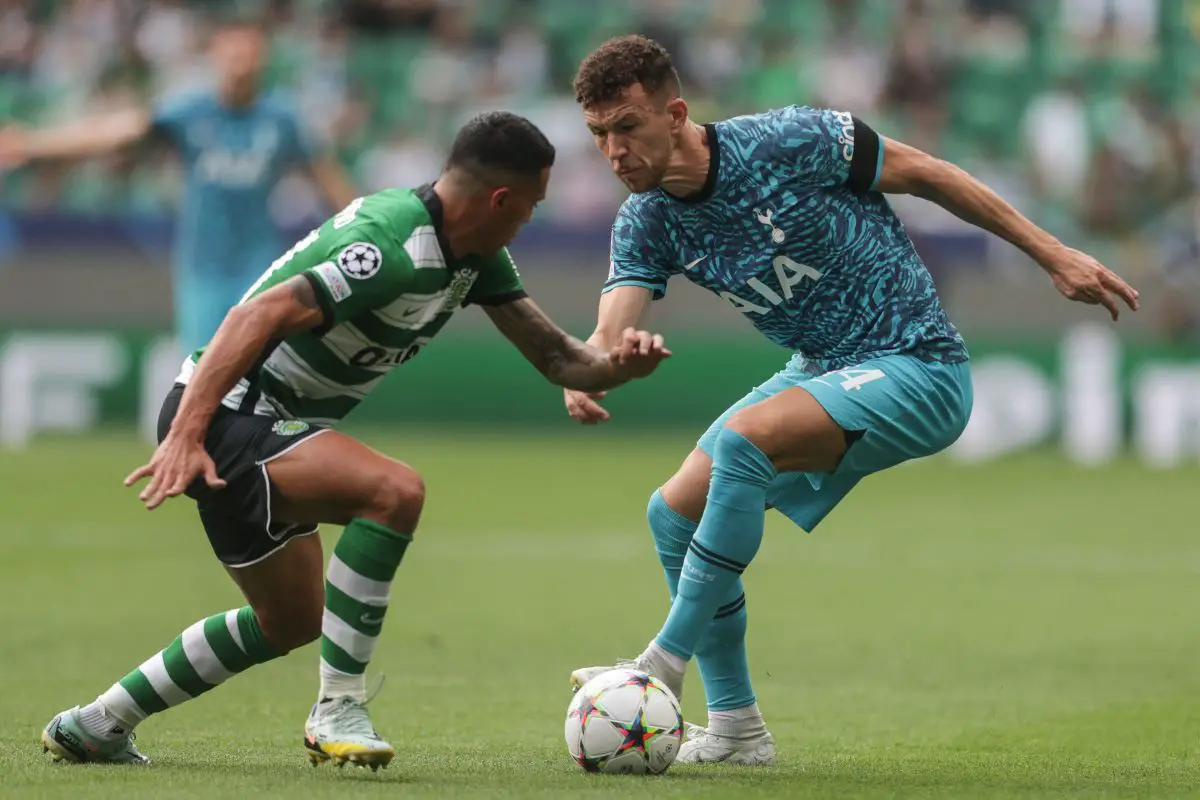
621 62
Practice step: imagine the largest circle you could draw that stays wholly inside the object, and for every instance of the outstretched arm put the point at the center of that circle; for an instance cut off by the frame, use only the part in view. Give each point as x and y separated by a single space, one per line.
81 139
568 362
907 170
243 338
333 181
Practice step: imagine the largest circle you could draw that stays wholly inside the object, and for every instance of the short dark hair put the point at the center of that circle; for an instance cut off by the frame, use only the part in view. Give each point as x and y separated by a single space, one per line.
500 145
621 62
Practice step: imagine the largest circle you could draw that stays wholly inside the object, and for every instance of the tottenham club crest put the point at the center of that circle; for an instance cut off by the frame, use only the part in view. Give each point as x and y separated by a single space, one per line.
289 427
460 284
766 218
360 260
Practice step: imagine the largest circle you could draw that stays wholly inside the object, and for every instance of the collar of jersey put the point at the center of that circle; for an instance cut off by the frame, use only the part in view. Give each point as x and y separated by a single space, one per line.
714 167
433 205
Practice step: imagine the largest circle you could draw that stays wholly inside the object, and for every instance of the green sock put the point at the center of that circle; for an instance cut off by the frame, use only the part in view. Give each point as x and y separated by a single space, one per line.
205 655
357 587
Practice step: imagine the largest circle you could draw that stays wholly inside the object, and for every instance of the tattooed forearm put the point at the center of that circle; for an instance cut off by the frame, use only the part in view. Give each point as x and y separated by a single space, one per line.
563 359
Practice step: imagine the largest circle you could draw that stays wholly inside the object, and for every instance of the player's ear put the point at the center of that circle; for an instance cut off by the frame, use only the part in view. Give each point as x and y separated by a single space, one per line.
499 197
678 110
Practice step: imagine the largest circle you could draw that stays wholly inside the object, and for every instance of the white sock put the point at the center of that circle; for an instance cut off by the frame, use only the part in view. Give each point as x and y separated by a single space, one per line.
96 720
339 684
738 723
670 661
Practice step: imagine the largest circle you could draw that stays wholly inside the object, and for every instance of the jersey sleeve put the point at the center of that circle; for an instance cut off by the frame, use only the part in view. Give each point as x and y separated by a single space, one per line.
498 282
829 148
358 270
637 254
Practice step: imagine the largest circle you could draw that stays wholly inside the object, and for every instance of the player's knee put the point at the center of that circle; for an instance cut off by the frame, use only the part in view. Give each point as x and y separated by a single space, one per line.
399 498
293 624
745 425
679 496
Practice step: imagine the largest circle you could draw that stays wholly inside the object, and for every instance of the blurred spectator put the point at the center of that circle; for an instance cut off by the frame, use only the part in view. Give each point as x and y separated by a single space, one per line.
1056 137
1056 103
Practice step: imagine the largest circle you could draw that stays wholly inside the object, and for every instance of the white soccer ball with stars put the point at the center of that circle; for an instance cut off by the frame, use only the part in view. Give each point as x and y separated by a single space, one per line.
360 260
624 721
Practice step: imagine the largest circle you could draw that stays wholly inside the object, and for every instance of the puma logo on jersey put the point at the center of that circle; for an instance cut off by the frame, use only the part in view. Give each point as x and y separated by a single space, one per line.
789 273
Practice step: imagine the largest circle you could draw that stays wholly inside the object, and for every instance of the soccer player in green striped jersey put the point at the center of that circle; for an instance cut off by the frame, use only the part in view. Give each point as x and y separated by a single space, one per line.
247 433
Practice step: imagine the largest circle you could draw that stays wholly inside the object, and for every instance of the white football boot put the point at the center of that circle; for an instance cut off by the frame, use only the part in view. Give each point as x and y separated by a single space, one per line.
705 747
339 730
646 662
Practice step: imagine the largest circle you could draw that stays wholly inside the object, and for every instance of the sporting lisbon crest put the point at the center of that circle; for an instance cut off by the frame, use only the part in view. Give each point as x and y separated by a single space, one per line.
289 427
460 284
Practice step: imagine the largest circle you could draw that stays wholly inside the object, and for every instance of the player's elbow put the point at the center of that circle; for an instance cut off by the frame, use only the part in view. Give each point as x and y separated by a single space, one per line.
289 308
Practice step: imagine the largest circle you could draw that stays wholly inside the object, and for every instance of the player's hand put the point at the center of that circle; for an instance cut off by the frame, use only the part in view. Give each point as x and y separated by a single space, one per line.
177 462
14 146
1085 280
583 406
639 353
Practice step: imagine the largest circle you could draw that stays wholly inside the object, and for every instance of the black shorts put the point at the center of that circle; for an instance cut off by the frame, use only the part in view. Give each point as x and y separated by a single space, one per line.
237 518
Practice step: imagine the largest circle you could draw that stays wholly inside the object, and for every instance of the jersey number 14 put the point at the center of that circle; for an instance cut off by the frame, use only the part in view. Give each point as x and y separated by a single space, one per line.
855 378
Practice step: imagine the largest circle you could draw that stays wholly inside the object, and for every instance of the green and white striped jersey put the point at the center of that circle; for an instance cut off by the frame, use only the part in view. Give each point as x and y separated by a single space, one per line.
385 278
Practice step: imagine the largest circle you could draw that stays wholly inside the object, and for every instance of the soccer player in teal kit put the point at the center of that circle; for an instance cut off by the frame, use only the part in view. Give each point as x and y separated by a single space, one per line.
783 215
236 143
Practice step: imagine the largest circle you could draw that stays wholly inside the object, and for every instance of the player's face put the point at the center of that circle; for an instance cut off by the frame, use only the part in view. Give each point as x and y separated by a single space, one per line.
512 206
239 53
636 133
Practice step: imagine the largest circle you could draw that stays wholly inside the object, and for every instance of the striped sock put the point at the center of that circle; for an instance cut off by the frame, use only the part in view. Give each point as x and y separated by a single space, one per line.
356 598
205 655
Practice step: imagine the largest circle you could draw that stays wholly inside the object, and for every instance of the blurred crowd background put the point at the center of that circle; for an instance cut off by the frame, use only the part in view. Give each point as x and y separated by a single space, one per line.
1064 105
1085 114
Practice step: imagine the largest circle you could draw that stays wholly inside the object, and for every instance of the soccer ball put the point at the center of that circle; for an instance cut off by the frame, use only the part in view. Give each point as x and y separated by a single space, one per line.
624 721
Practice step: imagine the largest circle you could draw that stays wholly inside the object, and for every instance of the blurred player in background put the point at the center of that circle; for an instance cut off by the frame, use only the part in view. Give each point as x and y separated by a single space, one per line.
246 434
236 143
783 215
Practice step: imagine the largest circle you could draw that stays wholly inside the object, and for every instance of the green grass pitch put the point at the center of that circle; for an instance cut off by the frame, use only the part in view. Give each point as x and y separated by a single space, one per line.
1025 629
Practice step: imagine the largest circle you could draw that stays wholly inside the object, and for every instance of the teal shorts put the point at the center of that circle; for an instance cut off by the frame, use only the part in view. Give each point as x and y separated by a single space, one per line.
894 408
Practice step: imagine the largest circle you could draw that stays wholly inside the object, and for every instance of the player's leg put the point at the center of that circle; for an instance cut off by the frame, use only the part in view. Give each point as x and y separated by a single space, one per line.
284 612
281 578
890 410
736 731
673 514
378 500
269 550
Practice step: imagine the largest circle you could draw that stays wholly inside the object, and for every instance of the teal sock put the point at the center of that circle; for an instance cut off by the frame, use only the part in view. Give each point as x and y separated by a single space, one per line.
721 655
726 540
672 535
357 588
